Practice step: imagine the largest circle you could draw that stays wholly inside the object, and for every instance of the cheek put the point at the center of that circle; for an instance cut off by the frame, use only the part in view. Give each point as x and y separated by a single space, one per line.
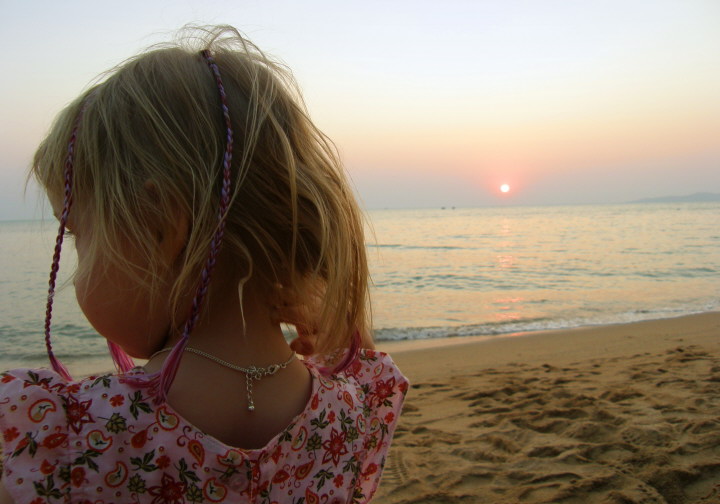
120 312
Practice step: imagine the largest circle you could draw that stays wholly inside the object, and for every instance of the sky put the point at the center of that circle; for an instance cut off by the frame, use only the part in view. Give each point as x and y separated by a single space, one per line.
430 103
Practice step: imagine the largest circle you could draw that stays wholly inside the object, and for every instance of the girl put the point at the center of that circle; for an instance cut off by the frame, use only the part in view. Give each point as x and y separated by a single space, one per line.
189 162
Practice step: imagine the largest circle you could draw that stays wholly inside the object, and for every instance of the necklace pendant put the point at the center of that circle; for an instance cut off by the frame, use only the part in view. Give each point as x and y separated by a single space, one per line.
252 373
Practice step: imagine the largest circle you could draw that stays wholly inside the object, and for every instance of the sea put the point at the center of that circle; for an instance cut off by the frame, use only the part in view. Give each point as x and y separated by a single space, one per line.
443 273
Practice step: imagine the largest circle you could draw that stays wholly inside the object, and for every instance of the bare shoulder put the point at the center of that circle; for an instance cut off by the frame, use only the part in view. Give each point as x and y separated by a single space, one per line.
5 497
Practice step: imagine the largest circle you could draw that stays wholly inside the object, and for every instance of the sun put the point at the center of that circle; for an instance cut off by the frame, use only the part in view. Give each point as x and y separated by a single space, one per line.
504 188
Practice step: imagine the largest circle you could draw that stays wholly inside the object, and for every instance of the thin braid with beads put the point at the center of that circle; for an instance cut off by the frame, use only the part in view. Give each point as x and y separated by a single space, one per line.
171 364
58 366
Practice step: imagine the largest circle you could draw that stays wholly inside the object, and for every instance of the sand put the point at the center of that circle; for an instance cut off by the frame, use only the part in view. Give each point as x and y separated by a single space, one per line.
626 413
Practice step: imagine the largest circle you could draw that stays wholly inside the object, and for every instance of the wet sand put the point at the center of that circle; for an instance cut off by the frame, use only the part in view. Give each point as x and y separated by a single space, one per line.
625 413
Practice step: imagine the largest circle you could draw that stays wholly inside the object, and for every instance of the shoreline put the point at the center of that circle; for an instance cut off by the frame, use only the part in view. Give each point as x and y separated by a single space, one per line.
497 349
560 345
623 413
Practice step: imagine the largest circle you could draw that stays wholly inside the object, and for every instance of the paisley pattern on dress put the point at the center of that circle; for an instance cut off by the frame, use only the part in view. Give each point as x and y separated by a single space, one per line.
103 440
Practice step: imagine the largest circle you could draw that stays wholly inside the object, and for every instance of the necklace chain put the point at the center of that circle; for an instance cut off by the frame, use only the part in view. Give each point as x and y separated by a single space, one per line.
251 373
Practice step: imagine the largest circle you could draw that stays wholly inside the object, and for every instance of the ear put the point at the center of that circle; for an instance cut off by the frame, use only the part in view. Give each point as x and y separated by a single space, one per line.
174 239
172 236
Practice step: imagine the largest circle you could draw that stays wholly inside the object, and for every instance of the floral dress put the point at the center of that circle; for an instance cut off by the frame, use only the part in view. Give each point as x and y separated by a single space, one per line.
103 440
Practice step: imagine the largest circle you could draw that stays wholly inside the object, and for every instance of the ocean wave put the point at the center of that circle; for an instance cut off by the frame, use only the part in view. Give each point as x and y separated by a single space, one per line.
536 324
417 247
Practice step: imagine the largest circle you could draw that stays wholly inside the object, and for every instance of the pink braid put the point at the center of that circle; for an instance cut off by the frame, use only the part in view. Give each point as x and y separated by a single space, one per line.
171 364
58 366
350 356
123 362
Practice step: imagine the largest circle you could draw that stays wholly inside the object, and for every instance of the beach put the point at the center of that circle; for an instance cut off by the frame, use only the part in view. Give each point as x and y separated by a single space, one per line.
541 371
626 413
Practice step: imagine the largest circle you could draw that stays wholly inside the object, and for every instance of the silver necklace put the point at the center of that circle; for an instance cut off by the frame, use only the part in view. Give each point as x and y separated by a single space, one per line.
251 373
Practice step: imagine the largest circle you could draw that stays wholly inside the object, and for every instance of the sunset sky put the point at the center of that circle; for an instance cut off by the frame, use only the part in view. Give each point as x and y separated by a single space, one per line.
430 103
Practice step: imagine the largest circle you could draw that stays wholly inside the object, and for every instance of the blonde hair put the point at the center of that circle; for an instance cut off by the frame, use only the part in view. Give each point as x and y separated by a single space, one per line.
150 146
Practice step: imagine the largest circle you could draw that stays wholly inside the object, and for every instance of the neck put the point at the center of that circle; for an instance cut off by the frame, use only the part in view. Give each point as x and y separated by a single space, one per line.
244 335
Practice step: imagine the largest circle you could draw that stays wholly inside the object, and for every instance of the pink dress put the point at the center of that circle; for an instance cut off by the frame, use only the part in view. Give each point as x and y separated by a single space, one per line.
102 440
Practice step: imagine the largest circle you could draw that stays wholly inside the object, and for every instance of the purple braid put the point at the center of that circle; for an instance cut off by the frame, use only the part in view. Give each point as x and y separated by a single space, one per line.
171 364
58 366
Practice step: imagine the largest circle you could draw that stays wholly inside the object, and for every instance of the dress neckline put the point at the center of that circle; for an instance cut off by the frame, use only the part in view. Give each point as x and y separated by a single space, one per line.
315 379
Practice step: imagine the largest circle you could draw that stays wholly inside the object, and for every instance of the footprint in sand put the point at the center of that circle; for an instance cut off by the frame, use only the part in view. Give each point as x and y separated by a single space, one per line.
441 386
561 486
502 442
686 354
501 394
547 451
426 437
409 407
589 431
640 436
621 394
543 426
395 472
702 426
478 455
634 491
